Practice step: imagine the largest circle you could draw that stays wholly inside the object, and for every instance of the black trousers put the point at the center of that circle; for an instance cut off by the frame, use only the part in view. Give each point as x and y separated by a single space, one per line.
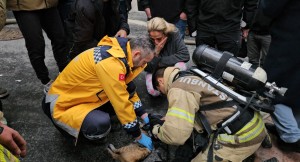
31 24
225 41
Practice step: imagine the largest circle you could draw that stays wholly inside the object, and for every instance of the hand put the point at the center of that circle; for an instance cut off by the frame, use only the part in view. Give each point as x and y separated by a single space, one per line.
121 33
245 33
148 13
155 119
13 141
160 46
145 118
183 16
145 141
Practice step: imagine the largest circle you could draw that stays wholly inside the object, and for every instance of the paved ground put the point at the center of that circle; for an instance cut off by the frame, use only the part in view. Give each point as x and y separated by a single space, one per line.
23 108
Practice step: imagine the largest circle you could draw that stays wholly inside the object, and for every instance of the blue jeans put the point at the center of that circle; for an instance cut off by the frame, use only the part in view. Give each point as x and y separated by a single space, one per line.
181 25
286 124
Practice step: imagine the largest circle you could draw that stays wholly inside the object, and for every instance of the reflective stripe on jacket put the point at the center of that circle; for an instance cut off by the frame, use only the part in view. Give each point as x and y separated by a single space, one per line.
90 81
250 134
7 156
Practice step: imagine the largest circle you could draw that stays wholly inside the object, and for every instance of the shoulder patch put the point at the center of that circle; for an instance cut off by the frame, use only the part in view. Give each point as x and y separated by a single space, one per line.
97 54
121 77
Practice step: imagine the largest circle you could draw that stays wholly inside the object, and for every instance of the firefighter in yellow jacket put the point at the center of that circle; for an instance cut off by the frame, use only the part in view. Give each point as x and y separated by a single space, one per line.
186 94
95 85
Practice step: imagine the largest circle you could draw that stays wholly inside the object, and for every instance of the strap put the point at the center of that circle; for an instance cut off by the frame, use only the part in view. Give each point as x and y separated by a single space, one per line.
201 118
183 74
217 105
214 145
221 65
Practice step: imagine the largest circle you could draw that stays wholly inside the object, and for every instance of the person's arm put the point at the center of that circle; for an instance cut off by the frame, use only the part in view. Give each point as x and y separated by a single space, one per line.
180 54
148 13
179 120
84 28
124 29
137 103
144 5
250 6
191 10
111 72
13 141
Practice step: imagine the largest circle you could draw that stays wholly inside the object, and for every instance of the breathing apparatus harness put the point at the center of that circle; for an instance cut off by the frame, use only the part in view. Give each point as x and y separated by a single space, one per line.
247 101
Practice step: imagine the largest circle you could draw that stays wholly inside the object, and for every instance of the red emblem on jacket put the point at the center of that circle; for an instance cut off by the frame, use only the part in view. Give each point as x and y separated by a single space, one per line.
122 77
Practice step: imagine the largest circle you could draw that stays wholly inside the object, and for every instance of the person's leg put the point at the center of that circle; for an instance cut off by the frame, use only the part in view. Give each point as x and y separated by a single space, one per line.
181 25
149 86
46 108
53 27
30 26
253 51
96 125
265 41
286 124
229 41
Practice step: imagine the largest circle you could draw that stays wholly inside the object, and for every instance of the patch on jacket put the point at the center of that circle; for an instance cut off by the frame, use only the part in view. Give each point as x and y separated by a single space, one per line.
121 77
97 54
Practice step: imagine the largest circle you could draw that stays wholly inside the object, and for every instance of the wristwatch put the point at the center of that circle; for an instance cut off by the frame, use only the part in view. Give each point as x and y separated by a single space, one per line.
1 130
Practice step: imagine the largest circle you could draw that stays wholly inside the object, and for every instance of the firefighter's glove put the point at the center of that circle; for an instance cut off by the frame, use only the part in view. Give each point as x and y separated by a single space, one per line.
155 119
146 120
145 141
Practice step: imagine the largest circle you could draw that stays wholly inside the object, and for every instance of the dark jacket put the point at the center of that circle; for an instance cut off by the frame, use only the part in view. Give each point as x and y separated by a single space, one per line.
170 10
92 20
173 52
283 59
261 23
218 15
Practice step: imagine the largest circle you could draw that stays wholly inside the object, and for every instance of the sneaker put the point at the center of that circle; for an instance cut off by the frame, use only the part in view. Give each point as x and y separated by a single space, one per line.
3 93
47 86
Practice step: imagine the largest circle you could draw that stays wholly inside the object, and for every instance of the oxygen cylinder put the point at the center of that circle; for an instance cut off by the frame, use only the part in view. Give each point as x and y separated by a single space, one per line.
237 72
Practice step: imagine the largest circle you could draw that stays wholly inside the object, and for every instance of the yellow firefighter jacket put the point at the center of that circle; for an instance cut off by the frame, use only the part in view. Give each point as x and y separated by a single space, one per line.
90 80
185 95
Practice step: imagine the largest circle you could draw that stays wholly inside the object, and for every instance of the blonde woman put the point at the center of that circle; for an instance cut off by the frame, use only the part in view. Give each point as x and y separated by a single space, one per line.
170 49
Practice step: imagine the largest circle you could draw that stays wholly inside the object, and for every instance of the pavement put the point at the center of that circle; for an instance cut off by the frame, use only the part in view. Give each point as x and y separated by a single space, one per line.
23 110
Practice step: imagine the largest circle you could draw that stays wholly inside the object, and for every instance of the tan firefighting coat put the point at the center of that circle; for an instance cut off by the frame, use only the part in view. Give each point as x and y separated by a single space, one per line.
185 95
